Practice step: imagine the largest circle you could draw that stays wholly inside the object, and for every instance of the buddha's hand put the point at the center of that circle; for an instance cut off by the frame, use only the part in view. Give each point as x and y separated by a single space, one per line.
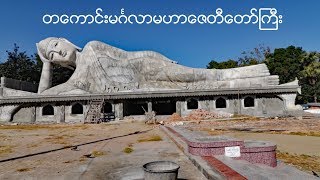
42 58
45 61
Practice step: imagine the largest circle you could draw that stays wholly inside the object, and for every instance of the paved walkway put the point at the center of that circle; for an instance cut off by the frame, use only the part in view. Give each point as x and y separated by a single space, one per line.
129 166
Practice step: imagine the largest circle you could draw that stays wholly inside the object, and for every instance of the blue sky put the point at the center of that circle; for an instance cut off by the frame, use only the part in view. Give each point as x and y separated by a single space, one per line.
190 45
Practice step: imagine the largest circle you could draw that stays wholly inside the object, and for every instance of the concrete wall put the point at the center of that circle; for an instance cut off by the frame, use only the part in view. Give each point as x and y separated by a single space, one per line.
184 105
263 105
18 85
69 117
62 113
6 112
25 114
230 105
7 92
45 118
273 106
208 104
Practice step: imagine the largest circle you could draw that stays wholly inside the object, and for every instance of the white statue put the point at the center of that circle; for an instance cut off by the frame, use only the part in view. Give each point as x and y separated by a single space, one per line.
101 68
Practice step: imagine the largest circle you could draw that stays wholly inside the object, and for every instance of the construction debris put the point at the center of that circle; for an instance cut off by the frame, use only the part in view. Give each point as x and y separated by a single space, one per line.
200 114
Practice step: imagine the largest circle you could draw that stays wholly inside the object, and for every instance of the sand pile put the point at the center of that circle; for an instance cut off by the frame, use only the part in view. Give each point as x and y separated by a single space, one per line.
198 114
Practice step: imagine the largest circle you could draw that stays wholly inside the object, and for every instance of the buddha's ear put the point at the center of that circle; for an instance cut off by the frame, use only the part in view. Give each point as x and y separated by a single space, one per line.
43 59
66 40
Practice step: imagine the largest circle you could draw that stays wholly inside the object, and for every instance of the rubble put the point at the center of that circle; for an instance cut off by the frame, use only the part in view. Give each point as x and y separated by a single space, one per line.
200 114
196 115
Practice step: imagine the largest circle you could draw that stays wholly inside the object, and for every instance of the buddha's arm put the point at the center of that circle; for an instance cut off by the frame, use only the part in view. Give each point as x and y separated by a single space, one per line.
46 77
120 54
259 70
64 88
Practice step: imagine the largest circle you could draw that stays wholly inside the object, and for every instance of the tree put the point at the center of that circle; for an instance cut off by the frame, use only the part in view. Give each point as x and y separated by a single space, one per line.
256 56
286 63
20 66
213 65
222 65
291 62
310 75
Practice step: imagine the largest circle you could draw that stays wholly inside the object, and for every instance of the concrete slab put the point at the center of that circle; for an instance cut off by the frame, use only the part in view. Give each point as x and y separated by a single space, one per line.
244 168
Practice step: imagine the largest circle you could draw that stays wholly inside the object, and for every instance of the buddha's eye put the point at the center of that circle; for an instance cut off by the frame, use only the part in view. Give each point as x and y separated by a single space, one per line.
55 44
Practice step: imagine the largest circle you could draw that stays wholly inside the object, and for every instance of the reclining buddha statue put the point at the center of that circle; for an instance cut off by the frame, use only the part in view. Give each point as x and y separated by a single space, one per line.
101 68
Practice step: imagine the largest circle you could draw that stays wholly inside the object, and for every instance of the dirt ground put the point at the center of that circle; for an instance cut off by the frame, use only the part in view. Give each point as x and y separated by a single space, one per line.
298 141
104 151
118 151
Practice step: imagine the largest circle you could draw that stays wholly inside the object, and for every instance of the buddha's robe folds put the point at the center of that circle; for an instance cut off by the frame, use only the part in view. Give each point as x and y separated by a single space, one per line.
102 68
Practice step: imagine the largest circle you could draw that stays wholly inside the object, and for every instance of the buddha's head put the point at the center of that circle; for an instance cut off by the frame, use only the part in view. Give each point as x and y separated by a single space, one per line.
59 51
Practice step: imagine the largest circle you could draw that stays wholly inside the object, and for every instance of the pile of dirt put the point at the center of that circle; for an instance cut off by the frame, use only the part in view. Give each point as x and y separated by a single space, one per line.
175 117
200 114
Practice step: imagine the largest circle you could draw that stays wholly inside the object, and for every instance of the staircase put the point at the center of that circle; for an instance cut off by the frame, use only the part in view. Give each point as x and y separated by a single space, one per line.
93 115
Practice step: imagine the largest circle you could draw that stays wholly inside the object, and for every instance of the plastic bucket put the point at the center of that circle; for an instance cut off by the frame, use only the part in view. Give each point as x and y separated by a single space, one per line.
161 170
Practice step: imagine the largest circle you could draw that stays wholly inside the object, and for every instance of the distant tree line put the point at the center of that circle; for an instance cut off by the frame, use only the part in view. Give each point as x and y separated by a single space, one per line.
289 63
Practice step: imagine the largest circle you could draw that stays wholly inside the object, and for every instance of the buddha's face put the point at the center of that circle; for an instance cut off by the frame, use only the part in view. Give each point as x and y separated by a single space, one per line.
61 52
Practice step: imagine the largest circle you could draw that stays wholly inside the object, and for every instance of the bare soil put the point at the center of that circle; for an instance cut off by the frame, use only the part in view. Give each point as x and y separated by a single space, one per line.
81 151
